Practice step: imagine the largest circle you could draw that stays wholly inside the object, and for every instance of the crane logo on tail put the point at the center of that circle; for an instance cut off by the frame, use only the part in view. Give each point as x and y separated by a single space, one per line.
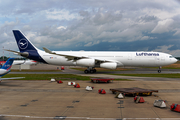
23 44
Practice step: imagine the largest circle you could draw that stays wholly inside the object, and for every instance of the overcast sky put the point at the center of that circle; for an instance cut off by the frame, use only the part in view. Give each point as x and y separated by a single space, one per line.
93 25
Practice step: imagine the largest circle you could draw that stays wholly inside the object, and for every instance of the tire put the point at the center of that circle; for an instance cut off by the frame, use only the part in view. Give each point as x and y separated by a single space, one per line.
159 71
91 71
86 71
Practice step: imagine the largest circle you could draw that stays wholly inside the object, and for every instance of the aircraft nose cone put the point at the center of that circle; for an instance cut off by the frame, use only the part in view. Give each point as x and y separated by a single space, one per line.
175 60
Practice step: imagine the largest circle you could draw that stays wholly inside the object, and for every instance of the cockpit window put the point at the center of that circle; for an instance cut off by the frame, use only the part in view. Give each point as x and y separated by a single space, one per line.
170 56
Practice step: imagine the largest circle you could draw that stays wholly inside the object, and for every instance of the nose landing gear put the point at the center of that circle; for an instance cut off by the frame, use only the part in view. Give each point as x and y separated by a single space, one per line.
159 71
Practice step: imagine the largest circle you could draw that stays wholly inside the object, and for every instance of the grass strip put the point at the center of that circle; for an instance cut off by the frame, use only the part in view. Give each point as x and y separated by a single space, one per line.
48 76
36 71
177 75
56 76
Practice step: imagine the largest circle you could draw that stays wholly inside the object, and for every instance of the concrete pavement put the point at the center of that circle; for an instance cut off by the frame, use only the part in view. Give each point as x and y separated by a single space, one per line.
21 100
24 100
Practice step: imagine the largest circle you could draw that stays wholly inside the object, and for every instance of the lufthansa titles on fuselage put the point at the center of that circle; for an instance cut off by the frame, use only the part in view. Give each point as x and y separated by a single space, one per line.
147 54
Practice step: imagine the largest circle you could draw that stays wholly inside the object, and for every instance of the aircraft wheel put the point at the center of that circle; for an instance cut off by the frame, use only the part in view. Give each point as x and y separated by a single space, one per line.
91 71
159 71
86 71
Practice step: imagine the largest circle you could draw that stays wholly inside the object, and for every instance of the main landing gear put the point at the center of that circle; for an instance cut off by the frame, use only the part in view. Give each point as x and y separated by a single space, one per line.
159 71
88 70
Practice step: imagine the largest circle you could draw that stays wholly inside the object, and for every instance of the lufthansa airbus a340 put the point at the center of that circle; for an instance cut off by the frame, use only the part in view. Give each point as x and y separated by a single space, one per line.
91 59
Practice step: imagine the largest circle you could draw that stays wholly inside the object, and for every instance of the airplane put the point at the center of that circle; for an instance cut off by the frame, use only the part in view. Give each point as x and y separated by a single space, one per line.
24 62
5 69
20 62
91 59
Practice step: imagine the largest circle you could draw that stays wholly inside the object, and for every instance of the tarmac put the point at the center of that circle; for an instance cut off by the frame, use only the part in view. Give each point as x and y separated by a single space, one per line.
24 100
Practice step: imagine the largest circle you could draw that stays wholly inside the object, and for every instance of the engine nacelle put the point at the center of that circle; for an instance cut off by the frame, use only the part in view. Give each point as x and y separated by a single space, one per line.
108 65
86 62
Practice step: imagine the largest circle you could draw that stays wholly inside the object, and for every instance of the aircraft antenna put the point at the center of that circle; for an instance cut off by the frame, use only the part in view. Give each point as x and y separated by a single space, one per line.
3 53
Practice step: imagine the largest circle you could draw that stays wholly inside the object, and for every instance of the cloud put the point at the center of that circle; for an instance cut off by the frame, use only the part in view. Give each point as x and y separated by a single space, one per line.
167 48
92 43
61 27
92 25
163 26
145 38
177 33
61 15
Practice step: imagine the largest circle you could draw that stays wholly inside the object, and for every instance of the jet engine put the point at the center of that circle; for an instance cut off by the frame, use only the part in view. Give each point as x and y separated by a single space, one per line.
85 62
108 65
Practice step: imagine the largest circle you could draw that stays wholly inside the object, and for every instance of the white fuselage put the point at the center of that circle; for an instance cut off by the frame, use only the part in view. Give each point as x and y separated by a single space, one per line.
25 62
151 59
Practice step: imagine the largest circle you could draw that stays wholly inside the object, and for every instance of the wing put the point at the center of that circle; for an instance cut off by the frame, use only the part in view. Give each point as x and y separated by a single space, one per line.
69 57
76 57
11 78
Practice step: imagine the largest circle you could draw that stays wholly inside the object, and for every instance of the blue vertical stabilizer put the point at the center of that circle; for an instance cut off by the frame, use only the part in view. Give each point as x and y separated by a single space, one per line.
8 64
22 42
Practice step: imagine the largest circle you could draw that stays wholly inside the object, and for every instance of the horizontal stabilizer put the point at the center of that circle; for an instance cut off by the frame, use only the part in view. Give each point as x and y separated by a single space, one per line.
24 54
11 78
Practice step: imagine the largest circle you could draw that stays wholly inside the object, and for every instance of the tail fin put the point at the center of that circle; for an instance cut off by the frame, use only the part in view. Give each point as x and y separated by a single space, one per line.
8 64
23 43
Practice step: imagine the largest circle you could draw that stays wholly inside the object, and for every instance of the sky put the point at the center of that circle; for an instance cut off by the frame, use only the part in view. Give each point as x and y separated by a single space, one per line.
92 25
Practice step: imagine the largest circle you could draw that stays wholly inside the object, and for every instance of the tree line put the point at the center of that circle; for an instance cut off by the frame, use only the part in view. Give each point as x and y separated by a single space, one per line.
6 58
